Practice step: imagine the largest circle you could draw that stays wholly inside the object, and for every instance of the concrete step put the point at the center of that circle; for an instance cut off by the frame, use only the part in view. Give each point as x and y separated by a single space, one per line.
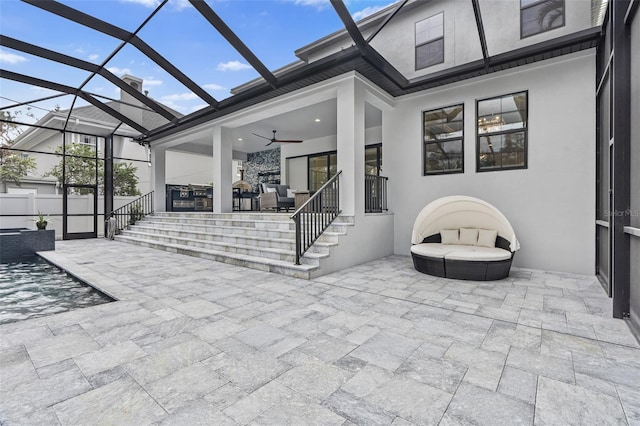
339 225
227 247
286 241
304 271
329 236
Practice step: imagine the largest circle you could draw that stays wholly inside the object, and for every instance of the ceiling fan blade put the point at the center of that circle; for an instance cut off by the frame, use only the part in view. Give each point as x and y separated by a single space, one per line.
269 143
263 137
287 141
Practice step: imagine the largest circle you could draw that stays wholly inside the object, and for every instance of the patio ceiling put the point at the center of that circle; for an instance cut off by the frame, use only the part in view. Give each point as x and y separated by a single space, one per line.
360 57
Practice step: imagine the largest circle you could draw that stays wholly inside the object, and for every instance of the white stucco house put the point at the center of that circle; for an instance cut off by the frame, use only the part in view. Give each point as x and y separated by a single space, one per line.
521 138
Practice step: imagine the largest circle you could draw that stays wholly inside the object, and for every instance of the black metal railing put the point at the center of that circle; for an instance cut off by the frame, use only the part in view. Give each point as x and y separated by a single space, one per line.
132 212
316 214
375 193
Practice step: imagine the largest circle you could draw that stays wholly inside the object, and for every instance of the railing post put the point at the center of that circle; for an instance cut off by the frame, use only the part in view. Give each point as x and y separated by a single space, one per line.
296 220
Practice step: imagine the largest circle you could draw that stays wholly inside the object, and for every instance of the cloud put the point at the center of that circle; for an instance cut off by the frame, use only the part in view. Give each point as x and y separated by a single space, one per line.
145 3
119 71
233 66
213 86
177 4
93 56
11 58
180 4
150 81
318 4
179 97
367 11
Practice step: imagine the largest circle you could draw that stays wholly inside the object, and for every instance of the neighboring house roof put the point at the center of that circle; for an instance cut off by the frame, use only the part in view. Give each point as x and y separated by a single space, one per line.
94 121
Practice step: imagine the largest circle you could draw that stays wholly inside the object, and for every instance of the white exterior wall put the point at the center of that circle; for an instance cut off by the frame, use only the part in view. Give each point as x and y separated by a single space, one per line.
372 135
501 21
550 204
397 41
502 24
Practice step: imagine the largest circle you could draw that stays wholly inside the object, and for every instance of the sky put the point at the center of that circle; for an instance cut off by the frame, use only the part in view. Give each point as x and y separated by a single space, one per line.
272 29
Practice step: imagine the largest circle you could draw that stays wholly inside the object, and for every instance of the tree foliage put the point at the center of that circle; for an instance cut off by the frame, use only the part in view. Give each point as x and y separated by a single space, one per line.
13 166
82 165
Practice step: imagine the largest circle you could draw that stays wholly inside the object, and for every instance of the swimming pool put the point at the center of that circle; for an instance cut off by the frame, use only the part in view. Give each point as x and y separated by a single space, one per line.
35 288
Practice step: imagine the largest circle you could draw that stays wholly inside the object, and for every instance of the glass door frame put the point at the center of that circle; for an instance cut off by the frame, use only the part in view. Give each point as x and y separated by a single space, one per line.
66 235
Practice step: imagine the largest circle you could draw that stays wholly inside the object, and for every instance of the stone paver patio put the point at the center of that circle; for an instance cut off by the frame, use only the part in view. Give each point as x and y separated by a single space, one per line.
192 341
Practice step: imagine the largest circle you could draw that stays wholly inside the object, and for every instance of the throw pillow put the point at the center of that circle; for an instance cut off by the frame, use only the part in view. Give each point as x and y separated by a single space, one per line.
469 236
487 237
449 236
272 190
290 193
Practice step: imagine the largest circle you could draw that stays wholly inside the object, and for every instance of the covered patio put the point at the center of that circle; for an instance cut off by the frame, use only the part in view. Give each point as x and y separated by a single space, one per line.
191 341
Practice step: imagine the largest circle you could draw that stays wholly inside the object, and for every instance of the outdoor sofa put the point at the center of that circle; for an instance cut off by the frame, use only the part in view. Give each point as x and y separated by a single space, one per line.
464 238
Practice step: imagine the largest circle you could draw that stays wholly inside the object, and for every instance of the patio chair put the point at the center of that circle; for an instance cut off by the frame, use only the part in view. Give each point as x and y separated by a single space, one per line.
275 197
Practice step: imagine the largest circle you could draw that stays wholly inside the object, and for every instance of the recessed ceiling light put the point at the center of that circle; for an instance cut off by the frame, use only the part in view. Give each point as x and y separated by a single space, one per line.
239 139
317 120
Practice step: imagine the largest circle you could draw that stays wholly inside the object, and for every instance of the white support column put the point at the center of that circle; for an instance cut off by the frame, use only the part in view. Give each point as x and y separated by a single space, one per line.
222 163
350 146
158 178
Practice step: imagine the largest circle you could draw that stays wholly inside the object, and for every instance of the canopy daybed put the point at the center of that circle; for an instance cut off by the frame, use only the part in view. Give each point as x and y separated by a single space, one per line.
463 237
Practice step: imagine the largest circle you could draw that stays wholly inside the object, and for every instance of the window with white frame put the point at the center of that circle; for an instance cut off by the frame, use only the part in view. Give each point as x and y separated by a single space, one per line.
539 16
84 139
430 41
502 132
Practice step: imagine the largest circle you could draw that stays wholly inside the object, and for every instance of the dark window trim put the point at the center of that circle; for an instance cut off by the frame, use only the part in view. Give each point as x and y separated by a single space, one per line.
524 129
378 147
425 143
416 45
564 18
326 154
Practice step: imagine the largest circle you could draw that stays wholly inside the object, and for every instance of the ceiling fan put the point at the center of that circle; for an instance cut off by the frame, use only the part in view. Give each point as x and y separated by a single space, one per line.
273 139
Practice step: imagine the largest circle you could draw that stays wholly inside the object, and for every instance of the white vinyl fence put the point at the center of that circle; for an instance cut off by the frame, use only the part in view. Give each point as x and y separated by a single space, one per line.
28 206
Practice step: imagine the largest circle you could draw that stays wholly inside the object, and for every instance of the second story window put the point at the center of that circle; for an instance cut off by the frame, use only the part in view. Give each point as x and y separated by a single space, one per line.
430 41
84 139
538 16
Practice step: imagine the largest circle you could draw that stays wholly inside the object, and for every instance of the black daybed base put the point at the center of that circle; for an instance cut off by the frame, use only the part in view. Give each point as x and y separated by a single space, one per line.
476 270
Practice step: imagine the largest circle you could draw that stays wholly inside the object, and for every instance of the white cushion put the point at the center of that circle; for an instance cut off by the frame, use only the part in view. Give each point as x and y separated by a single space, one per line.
449 236
478 254
469 236
487 237
272 189
436 250
291 193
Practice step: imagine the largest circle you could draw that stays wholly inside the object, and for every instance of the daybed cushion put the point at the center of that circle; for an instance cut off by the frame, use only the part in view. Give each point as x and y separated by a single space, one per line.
435 250
449 236
478 254
487 237
469 236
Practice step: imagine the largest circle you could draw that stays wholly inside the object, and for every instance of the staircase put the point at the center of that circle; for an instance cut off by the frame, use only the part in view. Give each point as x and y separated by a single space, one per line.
263 241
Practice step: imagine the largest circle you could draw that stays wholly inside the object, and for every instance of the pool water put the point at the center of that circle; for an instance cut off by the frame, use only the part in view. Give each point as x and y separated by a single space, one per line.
35 288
